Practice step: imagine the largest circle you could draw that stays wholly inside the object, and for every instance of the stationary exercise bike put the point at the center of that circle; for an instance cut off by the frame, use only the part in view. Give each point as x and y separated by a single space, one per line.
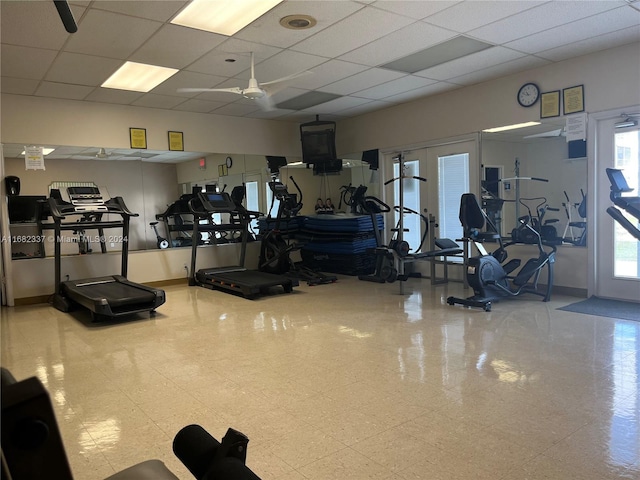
488 275
161 242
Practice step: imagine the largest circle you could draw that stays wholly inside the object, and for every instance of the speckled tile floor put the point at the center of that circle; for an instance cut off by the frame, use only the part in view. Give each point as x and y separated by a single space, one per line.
344 381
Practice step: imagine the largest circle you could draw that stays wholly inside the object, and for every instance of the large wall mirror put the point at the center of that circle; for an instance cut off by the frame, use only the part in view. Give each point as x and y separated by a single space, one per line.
531 169
152 183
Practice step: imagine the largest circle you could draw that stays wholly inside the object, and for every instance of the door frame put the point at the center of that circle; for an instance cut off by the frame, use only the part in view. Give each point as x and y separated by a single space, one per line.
598 197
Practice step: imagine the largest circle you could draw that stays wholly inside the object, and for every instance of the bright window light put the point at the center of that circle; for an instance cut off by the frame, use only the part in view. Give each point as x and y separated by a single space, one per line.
511 127
138 77
222 16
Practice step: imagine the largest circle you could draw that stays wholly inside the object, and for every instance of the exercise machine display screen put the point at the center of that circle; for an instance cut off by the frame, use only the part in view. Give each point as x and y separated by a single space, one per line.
217 202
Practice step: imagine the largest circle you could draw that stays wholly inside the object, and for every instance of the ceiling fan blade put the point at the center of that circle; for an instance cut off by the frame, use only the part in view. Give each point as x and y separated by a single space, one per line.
236 90
288 77
266 103
552 133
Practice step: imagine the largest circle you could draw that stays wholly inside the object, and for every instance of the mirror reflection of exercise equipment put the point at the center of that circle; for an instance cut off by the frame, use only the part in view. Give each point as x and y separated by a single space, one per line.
628 204
575 231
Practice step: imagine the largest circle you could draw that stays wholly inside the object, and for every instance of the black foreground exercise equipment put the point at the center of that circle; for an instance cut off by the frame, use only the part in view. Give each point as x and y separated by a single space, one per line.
234 278
32 447
109 297
488 275
630 205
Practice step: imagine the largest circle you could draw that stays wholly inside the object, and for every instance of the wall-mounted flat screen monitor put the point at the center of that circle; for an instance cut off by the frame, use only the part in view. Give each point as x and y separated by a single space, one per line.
327 167
318 146
275 163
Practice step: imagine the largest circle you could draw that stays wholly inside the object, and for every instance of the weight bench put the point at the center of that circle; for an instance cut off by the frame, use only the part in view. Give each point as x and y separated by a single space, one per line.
631 205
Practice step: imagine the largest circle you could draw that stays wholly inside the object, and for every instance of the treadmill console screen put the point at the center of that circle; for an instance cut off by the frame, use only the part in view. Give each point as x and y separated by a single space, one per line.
217 202
85 198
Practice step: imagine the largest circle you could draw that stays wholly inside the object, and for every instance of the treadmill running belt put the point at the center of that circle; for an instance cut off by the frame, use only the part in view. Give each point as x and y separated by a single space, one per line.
118 294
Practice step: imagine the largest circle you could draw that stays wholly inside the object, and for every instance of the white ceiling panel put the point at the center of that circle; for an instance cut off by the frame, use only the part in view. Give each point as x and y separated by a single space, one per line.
153 100
25 62
327 73
362 27
539 19
160 11
470 63
235 109
111 95
193 80
94 71
586 28
34 24
398 44
198 105
466 16
345 49
176 47
19 86
601 42
110 35
63 90
414 9
409 82
267 28
360 81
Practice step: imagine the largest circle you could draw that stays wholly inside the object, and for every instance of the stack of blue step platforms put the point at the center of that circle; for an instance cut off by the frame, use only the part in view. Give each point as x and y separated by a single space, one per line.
340 243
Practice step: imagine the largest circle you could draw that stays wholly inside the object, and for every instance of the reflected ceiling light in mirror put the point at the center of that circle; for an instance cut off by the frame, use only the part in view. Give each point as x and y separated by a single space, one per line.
511 127
138 77
222 16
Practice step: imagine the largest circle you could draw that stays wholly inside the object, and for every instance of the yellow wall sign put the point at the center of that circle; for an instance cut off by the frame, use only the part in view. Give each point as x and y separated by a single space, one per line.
573 99
138 137
550 104
176 142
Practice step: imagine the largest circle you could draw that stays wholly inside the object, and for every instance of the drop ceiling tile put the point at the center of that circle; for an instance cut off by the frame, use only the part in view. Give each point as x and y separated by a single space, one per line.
357 30
19 86
336 105
94 71
601 42
112 95
176 47
422 92
157 101
365 108
360 81
33 24
398 44
584 29
414 9
307 100
408 82
267 29
503 69
469 63
540 18
184 79
236 110
469 15
110 35
198 105
63 90
276 113
215 63
159 11
25 62
327 73
285 63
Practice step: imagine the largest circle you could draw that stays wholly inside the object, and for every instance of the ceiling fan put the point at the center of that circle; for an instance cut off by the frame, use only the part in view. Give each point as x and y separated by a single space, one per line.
560 132
255 91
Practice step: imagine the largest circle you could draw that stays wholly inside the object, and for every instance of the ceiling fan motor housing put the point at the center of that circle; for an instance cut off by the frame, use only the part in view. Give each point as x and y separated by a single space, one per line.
253 90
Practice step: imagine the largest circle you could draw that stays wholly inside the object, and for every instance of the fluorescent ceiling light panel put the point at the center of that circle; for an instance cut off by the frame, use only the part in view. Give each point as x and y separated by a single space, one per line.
138 77
457 47
307 100
222 16
511 127
45 151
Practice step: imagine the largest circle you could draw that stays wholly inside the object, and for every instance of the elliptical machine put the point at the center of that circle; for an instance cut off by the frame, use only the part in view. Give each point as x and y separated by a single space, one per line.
275 251
488 275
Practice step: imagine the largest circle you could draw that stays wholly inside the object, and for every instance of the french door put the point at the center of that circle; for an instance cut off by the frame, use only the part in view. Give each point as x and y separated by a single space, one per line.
617 253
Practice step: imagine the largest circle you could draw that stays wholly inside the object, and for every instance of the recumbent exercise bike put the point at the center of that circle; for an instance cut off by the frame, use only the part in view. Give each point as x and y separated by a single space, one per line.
488 275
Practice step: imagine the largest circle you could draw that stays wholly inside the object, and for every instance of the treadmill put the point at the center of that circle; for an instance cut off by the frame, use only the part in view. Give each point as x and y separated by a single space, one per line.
232 279
108 297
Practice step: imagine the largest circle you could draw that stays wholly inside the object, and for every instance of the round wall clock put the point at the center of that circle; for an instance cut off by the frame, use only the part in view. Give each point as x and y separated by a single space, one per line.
528 94
229 162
